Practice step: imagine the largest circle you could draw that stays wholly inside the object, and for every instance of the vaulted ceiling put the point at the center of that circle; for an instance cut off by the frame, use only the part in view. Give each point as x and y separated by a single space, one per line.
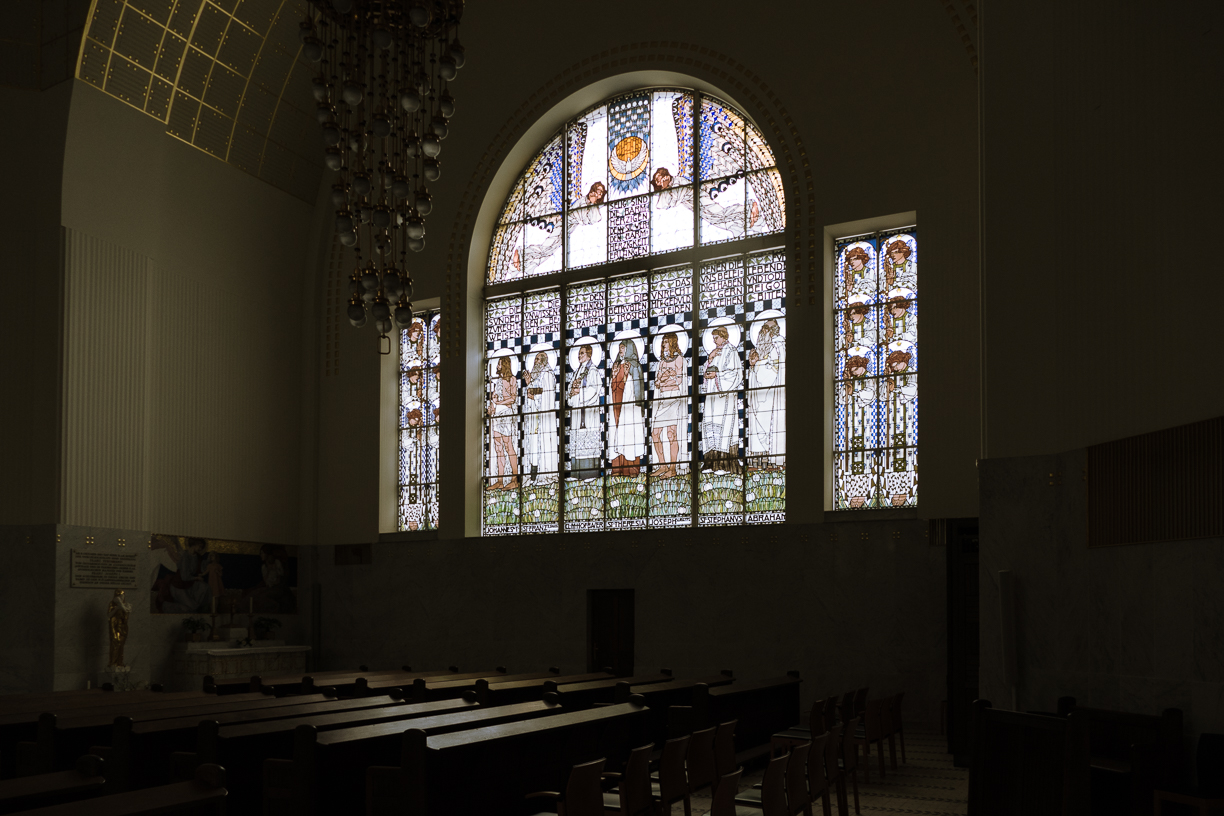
224 76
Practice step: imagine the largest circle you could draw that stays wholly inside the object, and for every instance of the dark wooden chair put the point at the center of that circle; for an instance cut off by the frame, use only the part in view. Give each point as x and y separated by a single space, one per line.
818 784
834 776
699 763
632 794
583 795
1131 755
83 781
672 785
724 749
1028 763
770 798
860 702
895 729
830 712
784 741
797 797
1210 790
845 706
871 731
849 759
723 803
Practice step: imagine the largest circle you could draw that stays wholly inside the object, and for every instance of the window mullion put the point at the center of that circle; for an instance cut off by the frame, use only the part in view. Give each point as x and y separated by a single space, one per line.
562 410
695 329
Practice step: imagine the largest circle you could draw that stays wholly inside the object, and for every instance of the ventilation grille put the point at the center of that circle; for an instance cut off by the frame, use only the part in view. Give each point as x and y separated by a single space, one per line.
1161 486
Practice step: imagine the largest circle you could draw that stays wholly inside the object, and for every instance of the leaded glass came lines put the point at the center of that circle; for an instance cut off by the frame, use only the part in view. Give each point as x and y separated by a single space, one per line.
654 399
876 388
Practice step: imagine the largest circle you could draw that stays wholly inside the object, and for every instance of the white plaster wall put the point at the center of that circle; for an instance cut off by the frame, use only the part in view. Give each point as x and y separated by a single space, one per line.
1097 187
184 335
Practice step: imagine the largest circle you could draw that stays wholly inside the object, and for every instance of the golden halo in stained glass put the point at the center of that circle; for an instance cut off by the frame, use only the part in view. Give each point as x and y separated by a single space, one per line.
629 158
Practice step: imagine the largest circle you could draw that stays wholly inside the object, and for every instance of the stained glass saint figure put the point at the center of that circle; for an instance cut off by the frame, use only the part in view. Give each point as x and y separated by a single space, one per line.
585 389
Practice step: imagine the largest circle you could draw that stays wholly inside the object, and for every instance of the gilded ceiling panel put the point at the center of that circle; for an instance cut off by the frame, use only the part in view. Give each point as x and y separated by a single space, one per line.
225 76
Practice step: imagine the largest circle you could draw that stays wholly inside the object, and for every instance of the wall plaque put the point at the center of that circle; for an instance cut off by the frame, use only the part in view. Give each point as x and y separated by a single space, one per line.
103 570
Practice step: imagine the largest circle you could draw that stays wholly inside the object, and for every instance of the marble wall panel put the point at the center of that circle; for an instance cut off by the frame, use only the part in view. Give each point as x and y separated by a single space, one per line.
27 607
1136 627
844 609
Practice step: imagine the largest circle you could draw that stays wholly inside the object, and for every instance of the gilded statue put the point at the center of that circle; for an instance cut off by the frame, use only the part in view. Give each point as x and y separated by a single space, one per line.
118 613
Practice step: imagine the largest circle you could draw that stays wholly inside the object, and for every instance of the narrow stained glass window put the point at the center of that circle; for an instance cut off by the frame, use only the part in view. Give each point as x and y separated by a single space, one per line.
419 400
650 394
876 367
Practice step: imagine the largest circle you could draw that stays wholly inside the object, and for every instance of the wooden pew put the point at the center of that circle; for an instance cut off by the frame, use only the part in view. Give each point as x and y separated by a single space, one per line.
491 770
380 684
82 782
1028 763
19 722
140 754
350 685
524 691
62 739
1131 755
287 682
242 747
205 794
601 692
341 757
423 690
677 708
762 709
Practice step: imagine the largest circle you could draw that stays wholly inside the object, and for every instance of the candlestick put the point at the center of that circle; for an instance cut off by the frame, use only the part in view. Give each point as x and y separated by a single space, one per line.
213 634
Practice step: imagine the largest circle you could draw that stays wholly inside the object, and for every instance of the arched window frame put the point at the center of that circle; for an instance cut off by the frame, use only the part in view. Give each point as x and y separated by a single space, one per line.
695 256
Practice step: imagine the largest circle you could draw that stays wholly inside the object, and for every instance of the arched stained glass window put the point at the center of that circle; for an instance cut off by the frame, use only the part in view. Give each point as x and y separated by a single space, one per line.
876 392
419 401
636 325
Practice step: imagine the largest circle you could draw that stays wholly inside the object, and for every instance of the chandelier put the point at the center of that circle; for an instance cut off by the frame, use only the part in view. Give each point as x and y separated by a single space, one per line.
384 107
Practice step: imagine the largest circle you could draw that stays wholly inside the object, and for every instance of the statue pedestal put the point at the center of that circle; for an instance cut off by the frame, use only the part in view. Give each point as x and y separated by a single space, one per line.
193 661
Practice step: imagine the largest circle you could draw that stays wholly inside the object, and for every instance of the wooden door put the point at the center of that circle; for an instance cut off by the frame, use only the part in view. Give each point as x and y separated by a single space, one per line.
960 539
610 631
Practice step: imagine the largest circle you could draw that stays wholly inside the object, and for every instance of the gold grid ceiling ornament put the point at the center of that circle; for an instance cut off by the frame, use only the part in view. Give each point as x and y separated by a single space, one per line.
218 74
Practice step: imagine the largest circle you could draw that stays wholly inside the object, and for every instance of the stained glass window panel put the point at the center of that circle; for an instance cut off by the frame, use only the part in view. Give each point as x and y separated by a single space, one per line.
722 140
671 219
588 160
629 145
876 362
506 254
541 246
671 292
765 492
542 190
588 236
671 124
722 284
629 228
419 415
765 214
757 156
597 424
722 209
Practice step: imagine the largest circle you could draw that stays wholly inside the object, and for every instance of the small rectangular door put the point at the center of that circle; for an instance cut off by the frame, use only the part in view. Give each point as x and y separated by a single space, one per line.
610 631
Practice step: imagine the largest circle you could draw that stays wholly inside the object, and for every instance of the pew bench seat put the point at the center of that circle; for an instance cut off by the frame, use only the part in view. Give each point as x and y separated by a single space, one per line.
26 792
203 794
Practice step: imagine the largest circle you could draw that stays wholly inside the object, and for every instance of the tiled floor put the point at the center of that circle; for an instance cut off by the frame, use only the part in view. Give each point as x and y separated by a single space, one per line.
927 784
